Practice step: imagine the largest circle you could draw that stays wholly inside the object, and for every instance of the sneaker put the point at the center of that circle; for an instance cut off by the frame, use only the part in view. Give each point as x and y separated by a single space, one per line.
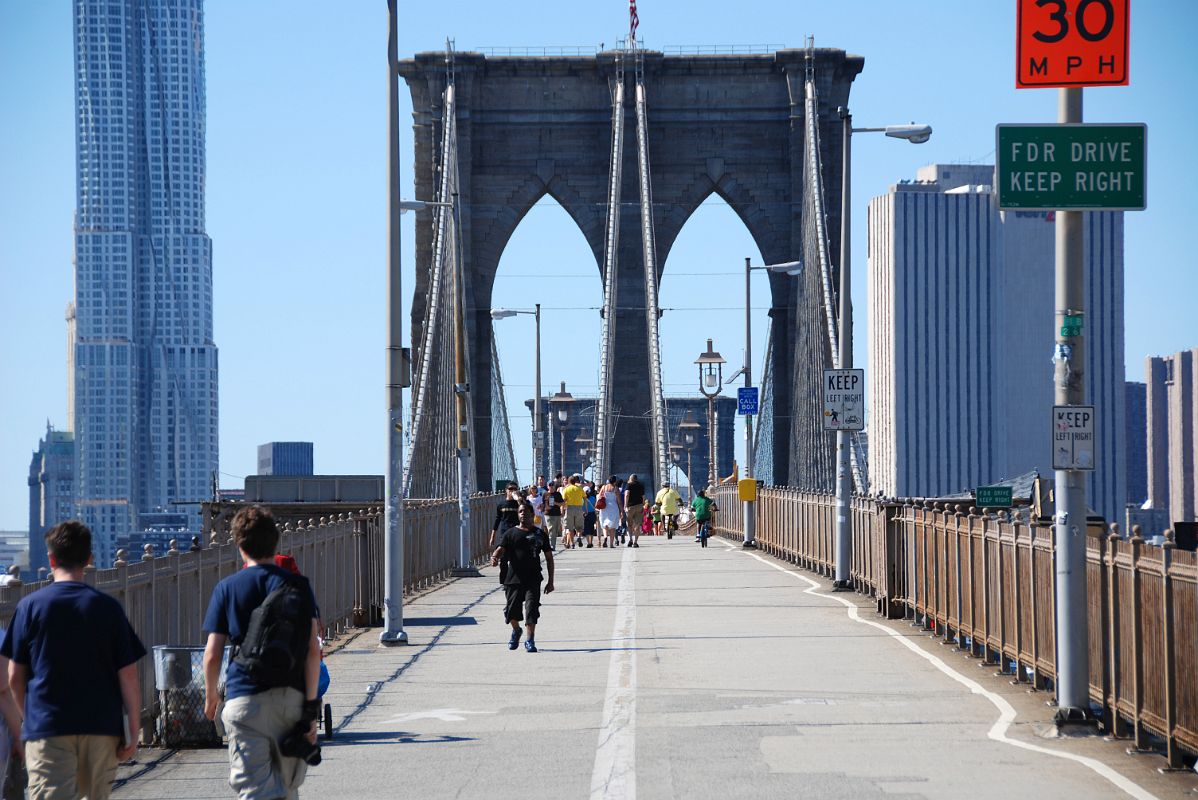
635 544
530 646
590 544
514 642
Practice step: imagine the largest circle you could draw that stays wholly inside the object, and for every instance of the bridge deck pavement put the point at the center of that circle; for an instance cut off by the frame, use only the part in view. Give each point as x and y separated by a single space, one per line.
738 682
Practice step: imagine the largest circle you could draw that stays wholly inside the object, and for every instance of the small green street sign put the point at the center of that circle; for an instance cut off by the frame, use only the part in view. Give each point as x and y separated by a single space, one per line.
1072 326
994 497
1073 167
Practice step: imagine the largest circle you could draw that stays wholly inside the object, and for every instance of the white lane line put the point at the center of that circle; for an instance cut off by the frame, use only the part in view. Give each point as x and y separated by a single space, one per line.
615 756
997 732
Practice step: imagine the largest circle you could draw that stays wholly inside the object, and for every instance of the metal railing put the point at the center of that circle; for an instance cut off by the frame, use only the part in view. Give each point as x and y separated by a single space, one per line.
722 49
985 580
540 51
165 597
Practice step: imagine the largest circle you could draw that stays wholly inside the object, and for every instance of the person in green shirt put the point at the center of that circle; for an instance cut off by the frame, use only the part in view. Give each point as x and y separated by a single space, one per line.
704 507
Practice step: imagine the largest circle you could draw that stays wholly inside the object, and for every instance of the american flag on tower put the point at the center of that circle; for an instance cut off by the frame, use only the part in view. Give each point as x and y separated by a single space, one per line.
633 22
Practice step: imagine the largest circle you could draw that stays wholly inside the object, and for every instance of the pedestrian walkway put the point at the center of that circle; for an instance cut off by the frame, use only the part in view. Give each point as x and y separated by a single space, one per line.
672 671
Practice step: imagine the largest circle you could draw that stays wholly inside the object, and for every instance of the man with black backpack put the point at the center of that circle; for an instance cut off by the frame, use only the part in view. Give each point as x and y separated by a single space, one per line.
269 615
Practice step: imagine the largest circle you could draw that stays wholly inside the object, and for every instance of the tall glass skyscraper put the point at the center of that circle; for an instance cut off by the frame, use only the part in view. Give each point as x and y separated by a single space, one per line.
145 359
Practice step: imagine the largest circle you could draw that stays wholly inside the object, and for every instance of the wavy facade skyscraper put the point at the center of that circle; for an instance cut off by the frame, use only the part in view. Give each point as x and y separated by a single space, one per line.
145 358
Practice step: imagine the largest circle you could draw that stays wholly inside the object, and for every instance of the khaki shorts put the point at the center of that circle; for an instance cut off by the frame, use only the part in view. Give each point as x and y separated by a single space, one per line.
553 526
254 725
67 767
634 516
575 518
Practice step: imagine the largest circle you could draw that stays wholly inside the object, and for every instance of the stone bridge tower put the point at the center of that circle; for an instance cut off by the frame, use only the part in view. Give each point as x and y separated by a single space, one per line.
530 126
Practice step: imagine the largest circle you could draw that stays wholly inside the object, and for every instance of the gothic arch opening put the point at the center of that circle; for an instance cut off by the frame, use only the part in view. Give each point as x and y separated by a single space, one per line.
702 294
548 260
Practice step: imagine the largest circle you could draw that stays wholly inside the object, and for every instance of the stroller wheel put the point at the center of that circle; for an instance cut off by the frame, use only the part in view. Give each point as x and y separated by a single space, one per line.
328 721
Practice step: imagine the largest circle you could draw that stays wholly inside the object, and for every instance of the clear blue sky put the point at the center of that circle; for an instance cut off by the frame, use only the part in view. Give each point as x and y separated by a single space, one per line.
296 196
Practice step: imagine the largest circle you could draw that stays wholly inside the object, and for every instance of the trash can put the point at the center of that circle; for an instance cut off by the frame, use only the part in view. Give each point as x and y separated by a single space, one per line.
179 680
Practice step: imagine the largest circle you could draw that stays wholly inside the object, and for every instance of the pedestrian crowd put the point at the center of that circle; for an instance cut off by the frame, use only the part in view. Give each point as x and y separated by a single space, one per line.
530 521
70 695
576 512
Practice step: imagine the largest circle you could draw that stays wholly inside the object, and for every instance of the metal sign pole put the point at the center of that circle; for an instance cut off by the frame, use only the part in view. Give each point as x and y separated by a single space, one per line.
393 632
1073 668
844 480
750 515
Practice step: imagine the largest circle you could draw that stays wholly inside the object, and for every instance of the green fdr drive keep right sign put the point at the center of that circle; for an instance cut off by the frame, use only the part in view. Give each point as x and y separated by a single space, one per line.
1071 167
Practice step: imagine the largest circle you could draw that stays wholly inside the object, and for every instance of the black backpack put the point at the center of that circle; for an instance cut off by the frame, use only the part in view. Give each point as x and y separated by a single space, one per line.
276 641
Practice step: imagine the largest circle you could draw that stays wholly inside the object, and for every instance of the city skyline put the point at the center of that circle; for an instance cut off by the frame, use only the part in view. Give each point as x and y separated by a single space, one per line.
281 231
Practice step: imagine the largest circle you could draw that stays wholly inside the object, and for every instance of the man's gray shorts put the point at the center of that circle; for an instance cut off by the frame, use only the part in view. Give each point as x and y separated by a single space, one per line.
254 725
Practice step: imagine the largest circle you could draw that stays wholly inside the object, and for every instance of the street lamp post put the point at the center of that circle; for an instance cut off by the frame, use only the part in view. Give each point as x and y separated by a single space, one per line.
675 462
688 430
537 437
916 134
560 402
584 442
790 268
393 632
711 383
397 356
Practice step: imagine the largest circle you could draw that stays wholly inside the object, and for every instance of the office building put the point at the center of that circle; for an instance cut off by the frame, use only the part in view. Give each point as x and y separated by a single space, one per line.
145 377
70 320
1136 436
51 490
961 339
1172 403
285 458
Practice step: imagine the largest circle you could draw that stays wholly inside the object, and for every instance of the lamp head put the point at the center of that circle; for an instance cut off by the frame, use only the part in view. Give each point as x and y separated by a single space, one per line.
915 134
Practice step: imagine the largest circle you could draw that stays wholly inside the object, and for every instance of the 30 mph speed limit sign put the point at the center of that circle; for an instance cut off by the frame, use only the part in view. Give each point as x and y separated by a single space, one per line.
1070 43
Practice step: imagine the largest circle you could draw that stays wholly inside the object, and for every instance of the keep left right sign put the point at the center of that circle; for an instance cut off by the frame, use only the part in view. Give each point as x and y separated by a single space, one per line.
1073 437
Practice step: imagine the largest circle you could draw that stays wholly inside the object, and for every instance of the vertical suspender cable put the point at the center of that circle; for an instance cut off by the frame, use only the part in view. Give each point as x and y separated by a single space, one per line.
816 187
604 429
432 317
661 445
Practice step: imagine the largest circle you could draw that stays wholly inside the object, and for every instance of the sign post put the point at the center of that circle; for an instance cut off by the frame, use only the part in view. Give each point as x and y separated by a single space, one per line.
1069 44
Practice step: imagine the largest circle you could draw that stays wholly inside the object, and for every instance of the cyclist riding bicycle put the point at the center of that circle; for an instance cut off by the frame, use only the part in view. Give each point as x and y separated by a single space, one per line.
703 506
667 498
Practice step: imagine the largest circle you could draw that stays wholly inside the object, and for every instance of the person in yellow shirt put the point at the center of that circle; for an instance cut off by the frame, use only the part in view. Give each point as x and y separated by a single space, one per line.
575 498
668 498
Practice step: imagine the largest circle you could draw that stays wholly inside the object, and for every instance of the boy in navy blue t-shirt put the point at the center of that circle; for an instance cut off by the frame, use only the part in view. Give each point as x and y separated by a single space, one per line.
258 717
73 670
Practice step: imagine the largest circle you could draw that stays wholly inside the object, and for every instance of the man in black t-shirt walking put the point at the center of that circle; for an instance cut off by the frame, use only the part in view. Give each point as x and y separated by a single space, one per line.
522 547
505 517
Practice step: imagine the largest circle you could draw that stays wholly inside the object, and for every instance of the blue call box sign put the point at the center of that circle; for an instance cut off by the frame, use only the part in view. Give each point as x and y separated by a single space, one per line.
746 400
